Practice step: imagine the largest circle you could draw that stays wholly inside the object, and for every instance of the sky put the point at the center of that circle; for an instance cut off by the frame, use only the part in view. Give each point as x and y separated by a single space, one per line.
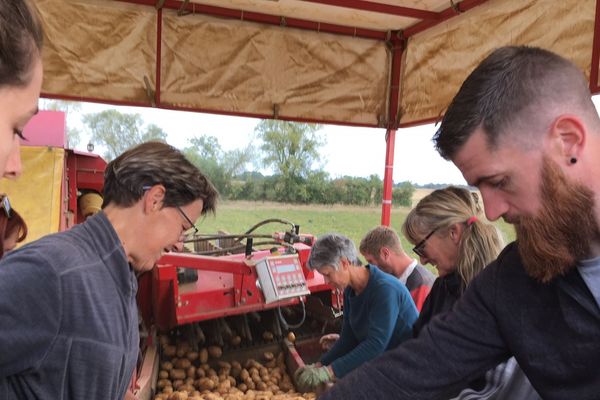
348 151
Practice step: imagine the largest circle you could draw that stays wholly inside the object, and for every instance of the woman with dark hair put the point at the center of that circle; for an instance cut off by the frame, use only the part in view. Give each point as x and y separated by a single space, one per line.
448 230
21 73
13 229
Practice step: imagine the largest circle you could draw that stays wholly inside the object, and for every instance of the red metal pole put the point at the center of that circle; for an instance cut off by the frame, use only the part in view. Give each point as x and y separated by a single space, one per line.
388 182
594 88
390 138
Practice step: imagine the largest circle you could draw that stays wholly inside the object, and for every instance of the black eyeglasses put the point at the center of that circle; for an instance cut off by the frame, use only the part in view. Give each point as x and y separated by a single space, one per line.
192 230
5 206
419 249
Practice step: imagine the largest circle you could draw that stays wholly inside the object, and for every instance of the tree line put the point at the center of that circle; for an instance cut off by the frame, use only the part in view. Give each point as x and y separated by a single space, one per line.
290 150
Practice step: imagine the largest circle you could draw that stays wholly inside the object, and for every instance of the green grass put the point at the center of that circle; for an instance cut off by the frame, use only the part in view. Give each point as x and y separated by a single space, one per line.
354 222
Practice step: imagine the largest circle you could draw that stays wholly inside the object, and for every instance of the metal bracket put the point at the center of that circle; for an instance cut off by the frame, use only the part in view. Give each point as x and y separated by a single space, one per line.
455 7
183 9
149 91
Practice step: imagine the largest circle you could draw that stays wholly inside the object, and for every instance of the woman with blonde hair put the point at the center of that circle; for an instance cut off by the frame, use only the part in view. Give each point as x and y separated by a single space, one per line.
449 232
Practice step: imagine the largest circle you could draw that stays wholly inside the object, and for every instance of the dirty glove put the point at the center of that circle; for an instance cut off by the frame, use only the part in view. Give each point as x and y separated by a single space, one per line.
327 341
311 376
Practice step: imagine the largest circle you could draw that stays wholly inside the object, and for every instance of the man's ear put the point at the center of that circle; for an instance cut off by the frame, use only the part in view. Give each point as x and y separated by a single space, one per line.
153 198
384 253
568 136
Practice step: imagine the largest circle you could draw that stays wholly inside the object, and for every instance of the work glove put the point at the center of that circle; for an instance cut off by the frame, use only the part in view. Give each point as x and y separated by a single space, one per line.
327 341
311 376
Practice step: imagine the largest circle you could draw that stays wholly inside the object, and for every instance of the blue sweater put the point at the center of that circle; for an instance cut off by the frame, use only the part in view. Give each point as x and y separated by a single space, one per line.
68 316
378 319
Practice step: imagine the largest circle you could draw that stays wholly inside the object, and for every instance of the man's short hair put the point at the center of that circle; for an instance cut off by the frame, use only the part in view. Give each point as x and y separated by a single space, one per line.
378 237
156 163
513 87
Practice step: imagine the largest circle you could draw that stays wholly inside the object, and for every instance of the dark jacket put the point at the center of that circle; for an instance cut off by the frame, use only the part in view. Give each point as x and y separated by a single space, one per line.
553 330
444 293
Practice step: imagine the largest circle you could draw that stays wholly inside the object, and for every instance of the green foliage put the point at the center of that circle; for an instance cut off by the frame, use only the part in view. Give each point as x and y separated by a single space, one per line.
118 132
402 194
220 166
291 148
352 221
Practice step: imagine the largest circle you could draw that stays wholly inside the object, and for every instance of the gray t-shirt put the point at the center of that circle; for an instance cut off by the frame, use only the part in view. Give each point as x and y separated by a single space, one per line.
590 272
68 316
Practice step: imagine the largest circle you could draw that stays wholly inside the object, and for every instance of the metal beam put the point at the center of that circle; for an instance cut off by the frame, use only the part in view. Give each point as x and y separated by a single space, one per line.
194 8
452 11
594 87
380 8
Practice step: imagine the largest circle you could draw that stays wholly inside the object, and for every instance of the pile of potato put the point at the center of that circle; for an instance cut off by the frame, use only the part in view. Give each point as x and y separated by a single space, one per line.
200 375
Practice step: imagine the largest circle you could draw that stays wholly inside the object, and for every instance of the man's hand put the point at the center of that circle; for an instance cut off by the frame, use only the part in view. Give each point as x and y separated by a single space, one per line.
327 341
311 376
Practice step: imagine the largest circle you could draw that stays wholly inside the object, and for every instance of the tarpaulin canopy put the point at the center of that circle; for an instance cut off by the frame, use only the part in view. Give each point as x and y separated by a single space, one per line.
378 63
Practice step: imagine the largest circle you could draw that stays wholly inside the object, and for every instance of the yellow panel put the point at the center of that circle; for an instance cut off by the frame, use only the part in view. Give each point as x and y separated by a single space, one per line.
36 195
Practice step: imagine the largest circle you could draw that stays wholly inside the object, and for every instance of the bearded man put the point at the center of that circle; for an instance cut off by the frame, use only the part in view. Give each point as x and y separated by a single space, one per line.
524 130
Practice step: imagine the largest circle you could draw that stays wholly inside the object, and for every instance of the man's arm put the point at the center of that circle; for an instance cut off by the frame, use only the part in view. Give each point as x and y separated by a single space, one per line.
451 350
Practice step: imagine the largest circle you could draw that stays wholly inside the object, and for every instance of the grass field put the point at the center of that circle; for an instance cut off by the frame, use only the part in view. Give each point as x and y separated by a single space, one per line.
354 222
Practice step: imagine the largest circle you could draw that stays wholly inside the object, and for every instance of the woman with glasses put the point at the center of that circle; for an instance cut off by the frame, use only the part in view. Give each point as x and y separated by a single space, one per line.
449 232
13 229
21 73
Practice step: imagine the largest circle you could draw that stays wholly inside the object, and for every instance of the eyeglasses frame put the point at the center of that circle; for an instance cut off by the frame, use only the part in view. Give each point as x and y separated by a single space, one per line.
418 249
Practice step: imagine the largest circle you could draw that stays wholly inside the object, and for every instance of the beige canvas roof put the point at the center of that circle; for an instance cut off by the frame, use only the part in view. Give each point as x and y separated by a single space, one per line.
369 63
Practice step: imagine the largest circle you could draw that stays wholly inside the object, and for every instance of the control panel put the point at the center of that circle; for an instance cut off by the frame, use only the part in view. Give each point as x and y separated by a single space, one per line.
281 277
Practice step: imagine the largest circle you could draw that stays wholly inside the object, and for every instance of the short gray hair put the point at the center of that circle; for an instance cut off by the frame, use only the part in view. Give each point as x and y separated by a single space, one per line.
329 250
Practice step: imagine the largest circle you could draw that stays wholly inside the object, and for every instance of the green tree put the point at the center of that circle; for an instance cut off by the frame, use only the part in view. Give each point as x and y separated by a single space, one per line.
292 151
220 166
402 194
118 132
69 108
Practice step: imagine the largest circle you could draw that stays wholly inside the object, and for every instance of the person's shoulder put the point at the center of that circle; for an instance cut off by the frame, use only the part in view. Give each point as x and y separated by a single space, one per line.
386 281
507 262
57 249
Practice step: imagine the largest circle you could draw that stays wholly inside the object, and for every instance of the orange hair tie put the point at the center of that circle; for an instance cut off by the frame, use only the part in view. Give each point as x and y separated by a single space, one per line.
471 220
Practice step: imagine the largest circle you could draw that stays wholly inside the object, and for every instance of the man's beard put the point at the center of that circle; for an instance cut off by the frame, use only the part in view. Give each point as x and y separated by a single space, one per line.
551 243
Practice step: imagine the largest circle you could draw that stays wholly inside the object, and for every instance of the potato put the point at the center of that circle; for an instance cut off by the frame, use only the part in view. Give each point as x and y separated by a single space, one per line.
178 396
190 372
203 356
177 384
235 341
215 351
163 383
200 373
163 374
192 355
177 374
267 335
205 384
167 366
182 363
268 356
169 351
291 336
